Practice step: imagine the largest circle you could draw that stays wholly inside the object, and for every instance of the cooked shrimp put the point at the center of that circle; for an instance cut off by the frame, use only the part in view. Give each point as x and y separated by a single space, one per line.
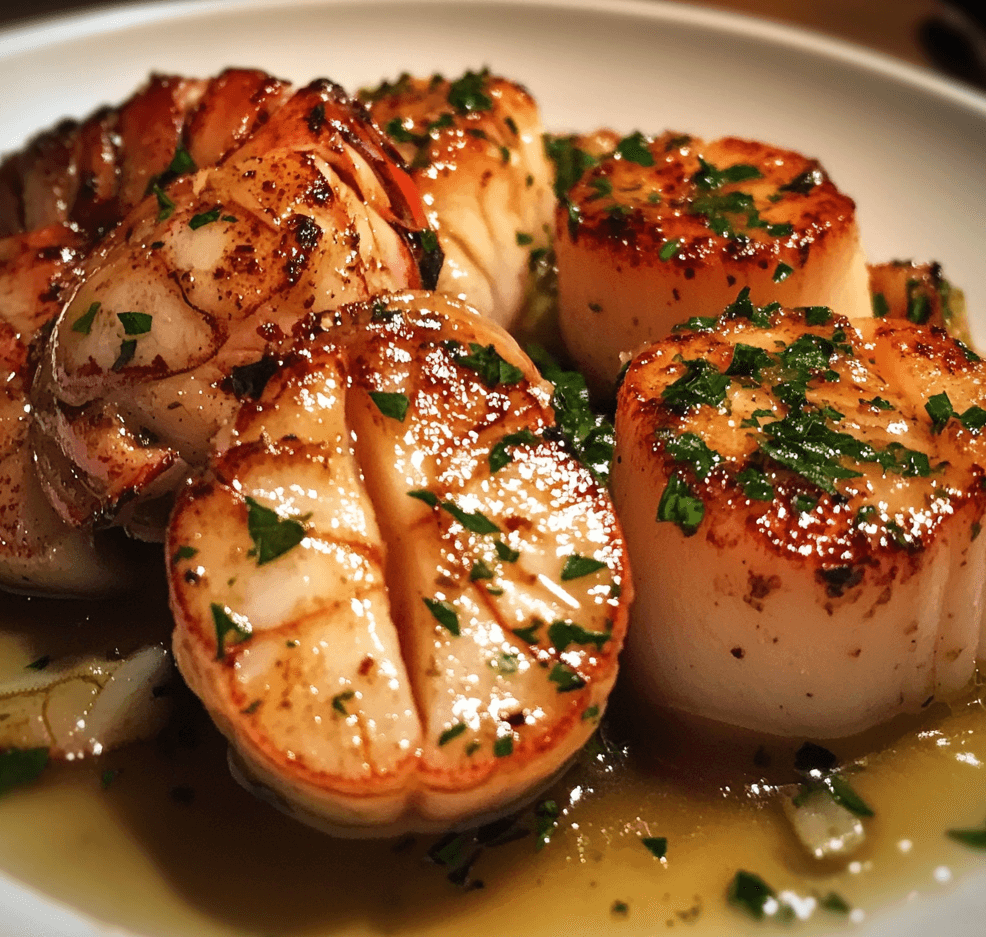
804 504
475 151
397 598
652 231
38 550
182 304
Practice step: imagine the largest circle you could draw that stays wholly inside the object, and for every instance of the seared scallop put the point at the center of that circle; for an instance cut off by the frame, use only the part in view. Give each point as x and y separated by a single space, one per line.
804 501
399 598
653 231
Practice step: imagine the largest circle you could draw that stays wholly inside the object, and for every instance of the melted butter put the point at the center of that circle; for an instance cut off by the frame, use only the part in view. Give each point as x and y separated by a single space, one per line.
172 846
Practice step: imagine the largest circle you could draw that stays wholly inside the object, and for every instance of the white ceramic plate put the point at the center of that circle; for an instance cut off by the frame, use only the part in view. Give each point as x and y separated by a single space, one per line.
909 147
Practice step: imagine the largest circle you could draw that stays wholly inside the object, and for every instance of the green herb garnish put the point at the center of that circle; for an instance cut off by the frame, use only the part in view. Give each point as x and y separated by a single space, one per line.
271 534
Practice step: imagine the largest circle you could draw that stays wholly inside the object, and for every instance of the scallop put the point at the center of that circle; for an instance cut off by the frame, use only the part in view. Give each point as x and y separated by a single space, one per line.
804 500
653 231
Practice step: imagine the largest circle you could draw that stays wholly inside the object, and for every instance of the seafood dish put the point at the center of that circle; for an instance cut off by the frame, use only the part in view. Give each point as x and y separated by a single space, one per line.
293 339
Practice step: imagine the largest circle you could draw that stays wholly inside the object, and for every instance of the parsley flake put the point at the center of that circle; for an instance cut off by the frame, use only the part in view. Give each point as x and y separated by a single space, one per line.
128 349
394 406
499 456
83 324
702 383
680 506
271 534
489 365
339 701
656 845
578 566
503 746
476 522
563 633
565 678
669 249
451 733
466 94
634 149
444 613
422 494
204 218
226 624
781 272
135 323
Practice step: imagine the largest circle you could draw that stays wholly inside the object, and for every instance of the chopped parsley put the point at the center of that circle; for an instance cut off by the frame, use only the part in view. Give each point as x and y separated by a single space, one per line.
709 177
657 846
503 746
480 571
881 307
578 566
135 323
755 484
529 634
584 433
680 506
546 816
451 733
166 207
523 240
634 149
182 162
476 522
702 383
467 94
835 903
391 405
226 625
565 678
339 701
669 249
39 663
570 162
184 552
505 553
272 535
492 369
973 838
563 633
204 218
750 893
422 494
748 361
499 456
84 323
692 449
128 349
939 408
781 272
804 182
444 613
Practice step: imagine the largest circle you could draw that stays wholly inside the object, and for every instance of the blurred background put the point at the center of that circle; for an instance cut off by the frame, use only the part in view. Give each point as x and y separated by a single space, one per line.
947 35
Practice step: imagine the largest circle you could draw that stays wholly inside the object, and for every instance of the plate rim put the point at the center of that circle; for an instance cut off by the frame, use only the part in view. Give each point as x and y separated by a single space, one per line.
37 33
73 25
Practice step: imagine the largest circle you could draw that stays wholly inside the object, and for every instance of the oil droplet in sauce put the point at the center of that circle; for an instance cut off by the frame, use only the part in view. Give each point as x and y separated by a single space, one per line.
158 838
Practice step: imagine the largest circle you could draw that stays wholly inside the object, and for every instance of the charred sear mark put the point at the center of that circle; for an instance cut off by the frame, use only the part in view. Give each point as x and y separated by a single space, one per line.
247 382
759 588
839 579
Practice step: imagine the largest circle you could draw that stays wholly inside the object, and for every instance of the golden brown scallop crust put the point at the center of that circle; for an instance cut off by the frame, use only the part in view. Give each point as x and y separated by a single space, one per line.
633 211
875 524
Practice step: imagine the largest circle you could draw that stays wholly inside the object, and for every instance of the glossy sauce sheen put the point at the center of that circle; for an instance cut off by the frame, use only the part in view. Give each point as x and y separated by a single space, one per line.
173 847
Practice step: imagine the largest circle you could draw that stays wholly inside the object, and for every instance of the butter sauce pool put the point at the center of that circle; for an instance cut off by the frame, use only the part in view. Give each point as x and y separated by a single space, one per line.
160 840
